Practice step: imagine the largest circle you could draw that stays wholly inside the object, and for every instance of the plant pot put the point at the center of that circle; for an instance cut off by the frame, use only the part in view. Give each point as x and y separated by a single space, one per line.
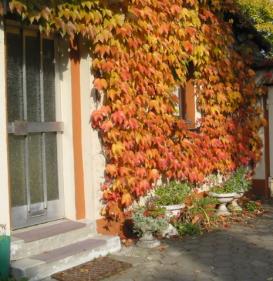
234 206
4 257
223 199
173 210
148 241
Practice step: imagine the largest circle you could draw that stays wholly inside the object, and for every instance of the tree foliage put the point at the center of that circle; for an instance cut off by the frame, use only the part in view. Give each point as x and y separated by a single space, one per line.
141 50
260 14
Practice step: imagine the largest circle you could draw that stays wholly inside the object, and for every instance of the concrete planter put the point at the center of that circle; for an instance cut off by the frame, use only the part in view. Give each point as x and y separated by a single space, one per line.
234 206
173 210
148 240
224 199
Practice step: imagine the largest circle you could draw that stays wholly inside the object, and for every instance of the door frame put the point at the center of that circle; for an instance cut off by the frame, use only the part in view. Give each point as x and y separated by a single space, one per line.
66 153
22 216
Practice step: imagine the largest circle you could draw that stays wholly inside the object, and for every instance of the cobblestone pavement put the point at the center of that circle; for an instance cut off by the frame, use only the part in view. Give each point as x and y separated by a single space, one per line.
240 253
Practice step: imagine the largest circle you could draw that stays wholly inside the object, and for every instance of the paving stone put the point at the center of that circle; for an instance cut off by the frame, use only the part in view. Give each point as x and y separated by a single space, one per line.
241 253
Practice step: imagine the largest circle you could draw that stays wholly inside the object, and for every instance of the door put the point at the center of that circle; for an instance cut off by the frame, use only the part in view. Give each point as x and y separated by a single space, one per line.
33 146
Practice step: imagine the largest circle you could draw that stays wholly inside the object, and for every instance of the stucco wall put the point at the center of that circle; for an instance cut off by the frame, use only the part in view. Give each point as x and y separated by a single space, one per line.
270 117
260 168
4 183
65 140
93 158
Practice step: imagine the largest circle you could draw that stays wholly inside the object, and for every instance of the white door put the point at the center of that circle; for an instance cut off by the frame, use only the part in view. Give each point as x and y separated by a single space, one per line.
33 157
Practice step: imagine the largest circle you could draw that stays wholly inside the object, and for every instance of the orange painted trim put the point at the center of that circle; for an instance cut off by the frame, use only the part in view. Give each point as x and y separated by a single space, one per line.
187 104
77 132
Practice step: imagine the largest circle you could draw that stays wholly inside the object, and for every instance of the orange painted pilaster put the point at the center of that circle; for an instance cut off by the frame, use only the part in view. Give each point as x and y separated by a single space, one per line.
77 132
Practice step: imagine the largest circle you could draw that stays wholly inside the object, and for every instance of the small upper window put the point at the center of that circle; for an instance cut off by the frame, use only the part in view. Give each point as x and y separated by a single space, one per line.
187 104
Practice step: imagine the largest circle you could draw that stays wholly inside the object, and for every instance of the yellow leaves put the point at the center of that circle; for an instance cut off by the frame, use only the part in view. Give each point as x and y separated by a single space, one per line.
17 6
126 199
103 36
87 4
119 19
118 148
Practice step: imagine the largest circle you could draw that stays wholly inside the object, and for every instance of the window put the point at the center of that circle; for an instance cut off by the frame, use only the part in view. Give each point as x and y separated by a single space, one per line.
187 104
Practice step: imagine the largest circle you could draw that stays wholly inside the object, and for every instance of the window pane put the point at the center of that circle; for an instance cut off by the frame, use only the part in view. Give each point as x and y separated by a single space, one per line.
51 166
35 176
17 170
14 77
49 80
33 78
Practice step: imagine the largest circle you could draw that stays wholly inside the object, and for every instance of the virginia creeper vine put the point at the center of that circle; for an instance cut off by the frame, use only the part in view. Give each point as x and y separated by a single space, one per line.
141 50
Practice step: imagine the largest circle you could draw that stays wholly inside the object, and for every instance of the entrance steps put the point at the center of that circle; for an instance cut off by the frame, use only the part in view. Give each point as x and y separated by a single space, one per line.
38 252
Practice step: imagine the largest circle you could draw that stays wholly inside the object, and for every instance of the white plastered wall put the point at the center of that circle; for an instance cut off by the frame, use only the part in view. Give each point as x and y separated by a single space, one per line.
93 158
260 168
270 117
65 140
4 183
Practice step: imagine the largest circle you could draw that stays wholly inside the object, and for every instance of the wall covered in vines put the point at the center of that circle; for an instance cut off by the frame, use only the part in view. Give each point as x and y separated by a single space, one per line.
141 51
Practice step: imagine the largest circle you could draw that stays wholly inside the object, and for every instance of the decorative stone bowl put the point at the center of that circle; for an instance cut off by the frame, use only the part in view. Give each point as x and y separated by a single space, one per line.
148 241
173 210
234 206
223 199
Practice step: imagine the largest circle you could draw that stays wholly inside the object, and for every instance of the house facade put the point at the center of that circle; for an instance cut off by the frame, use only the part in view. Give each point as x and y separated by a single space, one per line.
52 162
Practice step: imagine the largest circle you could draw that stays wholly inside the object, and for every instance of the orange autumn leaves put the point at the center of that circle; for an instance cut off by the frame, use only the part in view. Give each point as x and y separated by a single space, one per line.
140 53
142 138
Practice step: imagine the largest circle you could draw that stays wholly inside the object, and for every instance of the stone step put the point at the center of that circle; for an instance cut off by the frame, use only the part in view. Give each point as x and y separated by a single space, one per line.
47 237
43 265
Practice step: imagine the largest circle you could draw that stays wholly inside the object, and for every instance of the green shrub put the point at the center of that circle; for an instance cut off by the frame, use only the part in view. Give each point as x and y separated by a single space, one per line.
237 182
172 193
198 215
187 228
251 206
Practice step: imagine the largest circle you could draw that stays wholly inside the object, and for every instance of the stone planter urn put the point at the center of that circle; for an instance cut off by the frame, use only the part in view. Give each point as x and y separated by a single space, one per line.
173 210
234 206
148 240
224 199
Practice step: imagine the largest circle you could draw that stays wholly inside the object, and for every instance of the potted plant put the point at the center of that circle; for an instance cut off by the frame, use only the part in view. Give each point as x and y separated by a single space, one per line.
171 196
241 184
231 190
224 194
149 220
4 253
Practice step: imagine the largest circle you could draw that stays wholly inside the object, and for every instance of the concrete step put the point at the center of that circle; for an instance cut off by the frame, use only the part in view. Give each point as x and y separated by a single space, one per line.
47 237
38 267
